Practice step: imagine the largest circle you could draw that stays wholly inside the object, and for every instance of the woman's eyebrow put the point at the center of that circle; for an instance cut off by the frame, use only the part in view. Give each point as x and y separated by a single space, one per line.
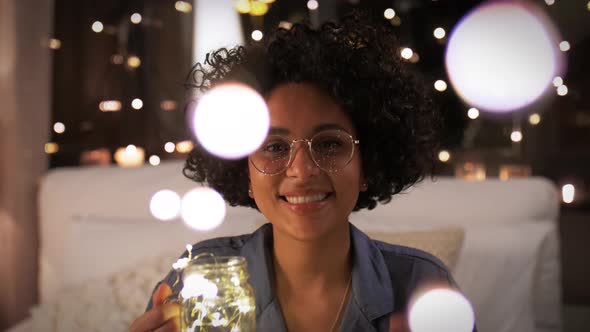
278 131
316 129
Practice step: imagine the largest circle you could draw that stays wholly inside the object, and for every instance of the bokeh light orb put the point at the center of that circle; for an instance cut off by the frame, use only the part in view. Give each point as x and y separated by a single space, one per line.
230 120
441 310
165 205
202 209
502 56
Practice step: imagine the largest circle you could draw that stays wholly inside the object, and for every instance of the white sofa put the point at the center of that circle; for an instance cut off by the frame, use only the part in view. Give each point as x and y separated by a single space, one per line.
96 221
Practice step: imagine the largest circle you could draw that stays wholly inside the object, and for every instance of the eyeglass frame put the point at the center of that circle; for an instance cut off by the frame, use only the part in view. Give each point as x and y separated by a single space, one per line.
292 152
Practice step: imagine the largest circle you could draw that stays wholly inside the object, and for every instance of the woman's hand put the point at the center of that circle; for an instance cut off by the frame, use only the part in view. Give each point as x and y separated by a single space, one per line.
162 317
398 323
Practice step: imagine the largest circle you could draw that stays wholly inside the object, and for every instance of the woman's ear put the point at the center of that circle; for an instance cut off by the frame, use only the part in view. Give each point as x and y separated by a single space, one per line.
363 185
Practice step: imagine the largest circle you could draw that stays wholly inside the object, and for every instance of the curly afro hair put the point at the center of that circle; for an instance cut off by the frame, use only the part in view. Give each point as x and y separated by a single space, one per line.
356 62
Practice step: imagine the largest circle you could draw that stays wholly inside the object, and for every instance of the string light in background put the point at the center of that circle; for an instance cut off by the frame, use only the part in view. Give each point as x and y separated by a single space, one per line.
549 2
97 26
487 63
568 192
440 85
534 119
406 53
562 90
51 148
169 147
184 147
168 105
564 46
389 13
230 139
473 113
444 156
312 4
439 33
557 81
135 18
54 44
441 310
285 25
137 103
130 156
202 209
133 61
257 35
588 6
258 8
516 136
59 127
165 205
110 106
154 160
183 6
117 59
242 6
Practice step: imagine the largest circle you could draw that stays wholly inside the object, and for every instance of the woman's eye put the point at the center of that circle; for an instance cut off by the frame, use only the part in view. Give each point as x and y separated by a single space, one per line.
276 147
329 144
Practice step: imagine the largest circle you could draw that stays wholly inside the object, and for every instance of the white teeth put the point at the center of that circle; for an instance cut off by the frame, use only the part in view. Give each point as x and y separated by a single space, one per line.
305 199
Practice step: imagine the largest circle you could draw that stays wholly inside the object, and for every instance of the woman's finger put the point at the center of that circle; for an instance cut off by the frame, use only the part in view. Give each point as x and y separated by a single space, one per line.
162 292
172 325
156 317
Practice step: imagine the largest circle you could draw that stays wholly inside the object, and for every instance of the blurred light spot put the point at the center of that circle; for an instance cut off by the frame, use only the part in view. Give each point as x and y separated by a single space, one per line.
258 8
257 35
407 53
184 146
439 33
444 156
549 2
415 58
562 90
54 44
285 25
240 136
440 85
473 113
130 156
202 209
588 5
389 13
110 106
59 127
312 5
516 136
154 160
169 147
117 59
534 119
564 46
97 26
165 205
137 103
441 310
133 61
51 148
568 192
183 6
168 105
487 61
242 6
557 81
136 18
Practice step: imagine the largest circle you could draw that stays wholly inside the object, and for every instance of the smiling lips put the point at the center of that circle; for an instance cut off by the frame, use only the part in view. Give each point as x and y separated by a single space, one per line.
305 199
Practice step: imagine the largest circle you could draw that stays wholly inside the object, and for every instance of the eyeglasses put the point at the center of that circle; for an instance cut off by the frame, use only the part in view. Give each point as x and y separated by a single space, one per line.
331 150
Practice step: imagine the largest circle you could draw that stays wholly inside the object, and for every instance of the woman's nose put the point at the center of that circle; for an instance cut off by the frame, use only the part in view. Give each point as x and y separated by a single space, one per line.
302 164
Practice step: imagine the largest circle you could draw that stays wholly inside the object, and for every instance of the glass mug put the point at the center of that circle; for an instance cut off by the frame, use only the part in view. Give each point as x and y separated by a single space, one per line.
216 296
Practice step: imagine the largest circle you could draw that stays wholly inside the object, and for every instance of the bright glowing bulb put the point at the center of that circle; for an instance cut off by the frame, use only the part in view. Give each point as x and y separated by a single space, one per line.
242 6
564 46
137 103
444 156
562 90
557 81
169 147
59 127
549 2
130 156
516 136
568 192
502 56
183 6
407 53
136 18
389 13
439 33
257 35
441 310
230 120
312 5
54 44
184 146
97 26
110 106
534 119
440 85
473 113
258 8
133 61
202 209
51 148
154 160
165 205
131 148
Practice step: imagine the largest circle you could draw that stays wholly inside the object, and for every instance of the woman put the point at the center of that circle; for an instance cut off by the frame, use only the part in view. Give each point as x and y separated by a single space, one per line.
349 128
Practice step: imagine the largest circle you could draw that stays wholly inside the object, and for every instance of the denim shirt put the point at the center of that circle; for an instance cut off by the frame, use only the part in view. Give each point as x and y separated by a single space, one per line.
384 277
